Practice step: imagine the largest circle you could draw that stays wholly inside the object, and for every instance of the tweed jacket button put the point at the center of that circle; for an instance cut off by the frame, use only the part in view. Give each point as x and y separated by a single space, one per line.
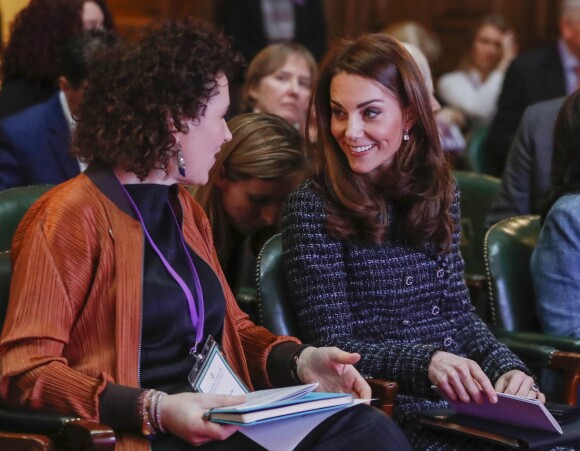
440 273
406 322
435 310
409 280
447 342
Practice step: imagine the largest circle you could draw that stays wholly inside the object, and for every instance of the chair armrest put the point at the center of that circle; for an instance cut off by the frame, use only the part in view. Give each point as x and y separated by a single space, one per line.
567 344
385 391
25 442
71 432
538 356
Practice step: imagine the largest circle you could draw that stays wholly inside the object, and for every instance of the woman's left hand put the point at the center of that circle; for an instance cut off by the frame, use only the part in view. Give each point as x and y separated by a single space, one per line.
516 382
333 369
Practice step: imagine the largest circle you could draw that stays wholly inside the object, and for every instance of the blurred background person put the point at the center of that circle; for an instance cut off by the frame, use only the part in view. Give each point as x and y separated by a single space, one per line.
279 81
255 24
35 143
253 175
540 74
474 88
449 119
556 259
31 59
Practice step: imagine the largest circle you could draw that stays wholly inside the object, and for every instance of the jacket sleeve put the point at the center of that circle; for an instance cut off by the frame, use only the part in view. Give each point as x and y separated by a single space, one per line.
555 269
52 272
317 280
11 173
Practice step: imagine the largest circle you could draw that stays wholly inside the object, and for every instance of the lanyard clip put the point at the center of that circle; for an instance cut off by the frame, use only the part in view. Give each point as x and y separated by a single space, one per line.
193 351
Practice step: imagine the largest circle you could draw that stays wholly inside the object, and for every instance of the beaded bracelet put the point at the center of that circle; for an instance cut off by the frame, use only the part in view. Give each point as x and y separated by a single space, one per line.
143 406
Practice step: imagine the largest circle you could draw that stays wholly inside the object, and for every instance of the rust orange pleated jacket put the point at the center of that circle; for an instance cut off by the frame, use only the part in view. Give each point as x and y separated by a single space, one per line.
74 315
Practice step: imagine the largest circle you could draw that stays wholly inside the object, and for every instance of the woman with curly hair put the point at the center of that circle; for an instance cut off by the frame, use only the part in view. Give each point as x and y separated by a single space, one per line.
127 285
371 242
31 60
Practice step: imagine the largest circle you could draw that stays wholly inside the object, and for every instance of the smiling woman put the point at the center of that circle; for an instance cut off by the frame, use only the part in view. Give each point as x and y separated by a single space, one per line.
371 242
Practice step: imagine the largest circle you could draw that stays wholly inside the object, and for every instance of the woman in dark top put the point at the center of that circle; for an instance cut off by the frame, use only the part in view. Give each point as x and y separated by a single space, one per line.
127 285
371 242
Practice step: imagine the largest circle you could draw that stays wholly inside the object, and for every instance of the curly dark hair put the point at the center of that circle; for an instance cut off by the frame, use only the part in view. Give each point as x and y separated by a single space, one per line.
37 36
418 183
136 91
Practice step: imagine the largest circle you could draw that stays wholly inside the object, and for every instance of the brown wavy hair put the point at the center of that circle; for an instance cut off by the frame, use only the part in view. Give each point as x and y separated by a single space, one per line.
263 146
37 36
136 91
418 182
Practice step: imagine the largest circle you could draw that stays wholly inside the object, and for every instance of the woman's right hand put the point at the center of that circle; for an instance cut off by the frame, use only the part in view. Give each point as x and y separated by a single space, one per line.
182 415
509 47
460 378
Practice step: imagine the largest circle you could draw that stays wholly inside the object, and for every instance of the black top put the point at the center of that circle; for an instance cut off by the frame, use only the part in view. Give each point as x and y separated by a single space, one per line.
167 331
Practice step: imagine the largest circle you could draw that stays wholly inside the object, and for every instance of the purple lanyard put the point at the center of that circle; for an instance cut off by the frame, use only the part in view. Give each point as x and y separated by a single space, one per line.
196 320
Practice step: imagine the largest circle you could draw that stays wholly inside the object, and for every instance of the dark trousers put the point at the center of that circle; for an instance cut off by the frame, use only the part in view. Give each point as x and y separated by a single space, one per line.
359 427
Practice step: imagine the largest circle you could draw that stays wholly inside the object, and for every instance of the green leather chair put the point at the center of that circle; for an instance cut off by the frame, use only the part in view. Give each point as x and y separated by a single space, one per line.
26 430
476 159
508 247
14 202
275 312
477 193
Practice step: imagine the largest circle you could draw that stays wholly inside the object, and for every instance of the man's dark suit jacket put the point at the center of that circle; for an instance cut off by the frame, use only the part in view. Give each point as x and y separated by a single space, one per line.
34 147
527 173
532 77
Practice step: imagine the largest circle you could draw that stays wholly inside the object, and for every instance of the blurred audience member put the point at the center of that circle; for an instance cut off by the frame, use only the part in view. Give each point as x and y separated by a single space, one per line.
35 143
253 175
418 35
279 81
556 259
474 88
526 177
31 60
255 24
540 74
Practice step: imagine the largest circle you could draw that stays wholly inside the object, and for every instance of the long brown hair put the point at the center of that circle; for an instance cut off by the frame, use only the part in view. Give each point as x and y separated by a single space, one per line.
418 183
263 146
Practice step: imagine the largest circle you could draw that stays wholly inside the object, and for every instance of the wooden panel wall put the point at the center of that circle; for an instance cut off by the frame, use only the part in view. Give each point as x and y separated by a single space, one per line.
535 21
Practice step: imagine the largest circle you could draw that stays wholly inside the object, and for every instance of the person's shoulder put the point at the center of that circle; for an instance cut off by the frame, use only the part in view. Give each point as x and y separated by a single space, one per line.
536 56
452 76
304 191
542 109
27 119
566 205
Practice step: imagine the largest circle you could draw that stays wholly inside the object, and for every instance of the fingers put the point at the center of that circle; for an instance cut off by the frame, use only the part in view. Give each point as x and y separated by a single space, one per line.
460 378
209 401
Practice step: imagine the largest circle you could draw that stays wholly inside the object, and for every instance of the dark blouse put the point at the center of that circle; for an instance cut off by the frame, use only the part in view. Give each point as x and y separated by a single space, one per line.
167 331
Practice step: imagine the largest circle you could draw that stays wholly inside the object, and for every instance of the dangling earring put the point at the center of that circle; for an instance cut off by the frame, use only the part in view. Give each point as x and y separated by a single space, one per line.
180 161
406 135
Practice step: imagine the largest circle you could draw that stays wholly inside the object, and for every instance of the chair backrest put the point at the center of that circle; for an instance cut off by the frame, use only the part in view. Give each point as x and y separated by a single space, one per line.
476 157
275 310
14 202
508 248
477 193
5 274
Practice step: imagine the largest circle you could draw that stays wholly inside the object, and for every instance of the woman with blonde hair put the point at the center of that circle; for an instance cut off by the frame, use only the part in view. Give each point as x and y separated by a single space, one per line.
252 176
279 81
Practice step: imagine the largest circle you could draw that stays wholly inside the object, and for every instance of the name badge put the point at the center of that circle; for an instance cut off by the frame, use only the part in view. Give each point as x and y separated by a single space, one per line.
212 374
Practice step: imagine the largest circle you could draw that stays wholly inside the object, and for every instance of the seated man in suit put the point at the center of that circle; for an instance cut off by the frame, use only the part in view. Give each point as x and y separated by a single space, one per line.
35 143
526 177
540 74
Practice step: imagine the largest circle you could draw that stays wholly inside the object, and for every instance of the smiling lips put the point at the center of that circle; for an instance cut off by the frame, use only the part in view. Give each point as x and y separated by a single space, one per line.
361 149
